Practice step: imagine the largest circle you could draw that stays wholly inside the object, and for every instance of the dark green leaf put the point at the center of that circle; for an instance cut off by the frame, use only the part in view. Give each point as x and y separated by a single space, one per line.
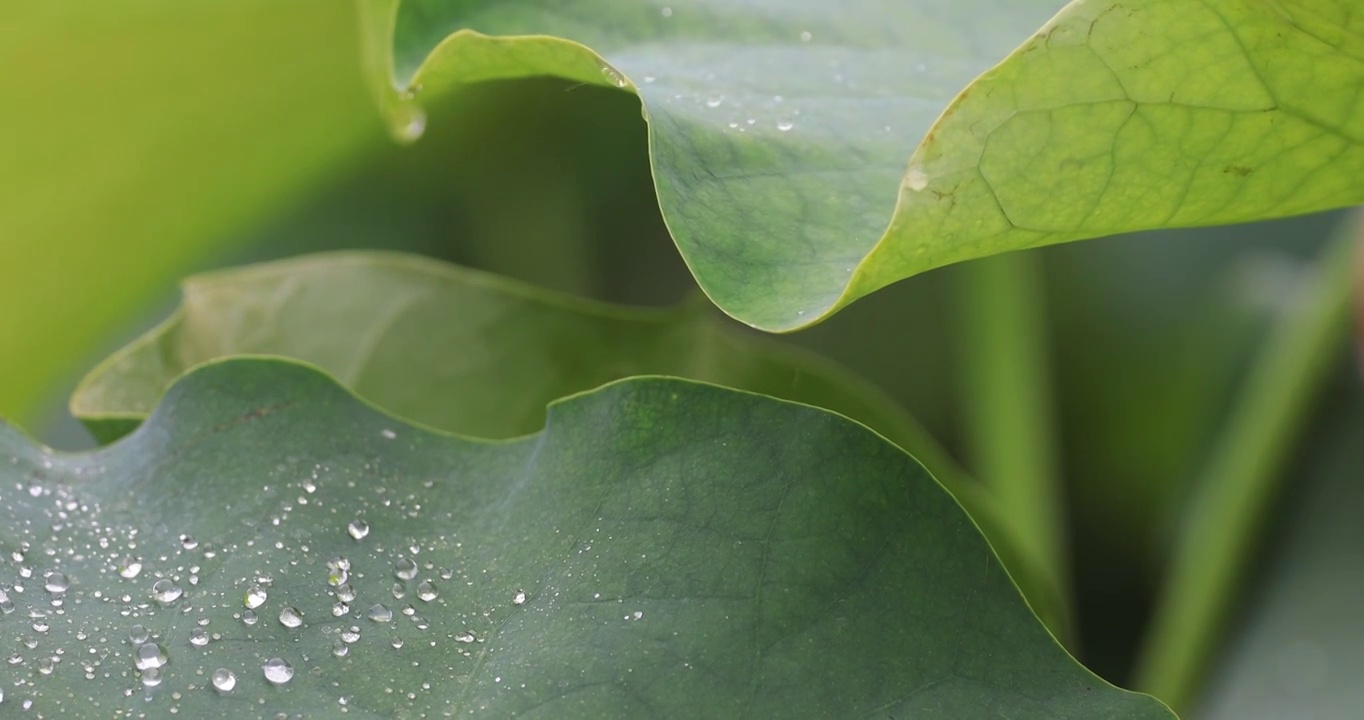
684 550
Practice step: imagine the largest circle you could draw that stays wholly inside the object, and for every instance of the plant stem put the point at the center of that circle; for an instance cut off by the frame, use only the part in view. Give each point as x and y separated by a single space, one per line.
1232 496
1007 390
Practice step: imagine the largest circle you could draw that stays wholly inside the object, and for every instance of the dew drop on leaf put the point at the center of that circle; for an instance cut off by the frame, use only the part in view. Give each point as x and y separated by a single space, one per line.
405 568
426 591
255 597
166 592
129 567
290 617
379 613
55 582
224 680
277 671
358 529
150 655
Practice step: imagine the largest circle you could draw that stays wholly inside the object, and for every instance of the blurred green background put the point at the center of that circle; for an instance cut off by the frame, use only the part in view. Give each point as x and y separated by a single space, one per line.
149 140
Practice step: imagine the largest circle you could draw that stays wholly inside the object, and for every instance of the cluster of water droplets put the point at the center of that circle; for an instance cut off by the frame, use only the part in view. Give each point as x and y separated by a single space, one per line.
155 608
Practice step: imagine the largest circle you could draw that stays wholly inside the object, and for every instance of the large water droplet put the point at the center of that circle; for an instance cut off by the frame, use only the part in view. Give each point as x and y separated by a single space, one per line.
351 634
346 593
255 597
339 609
277 671
613 76
55 582
151 677
379 613
358 529
249 617
290 617
129 567
785 126
340 649
465 637
519 598
138 634
408 122
188 542
166 592
224 680
426 591
198 637
405 568
150 655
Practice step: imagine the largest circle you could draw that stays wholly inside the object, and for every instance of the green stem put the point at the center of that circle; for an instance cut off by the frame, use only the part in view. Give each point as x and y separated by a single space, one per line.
1007 391
1231 498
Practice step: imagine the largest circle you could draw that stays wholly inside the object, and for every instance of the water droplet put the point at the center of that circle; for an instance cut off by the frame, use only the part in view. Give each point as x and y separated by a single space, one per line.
519 598
224 680
379 613
151 677
350 634
55 582
398 591
249 617
346 593
405 568
198 637
188 542
388 434
340 649
46 665
715 102
426 591
358 529
129 567
397 643
150 655
15 659
408 124
138 634
785 126
166 592
667 12
255 597
277 671
339 609
613 76
465 637
290 617
805 36
338 563
916 179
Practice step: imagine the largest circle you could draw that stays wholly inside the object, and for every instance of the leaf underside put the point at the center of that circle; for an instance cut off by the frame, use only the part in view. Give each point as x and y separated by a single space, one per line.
809 153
